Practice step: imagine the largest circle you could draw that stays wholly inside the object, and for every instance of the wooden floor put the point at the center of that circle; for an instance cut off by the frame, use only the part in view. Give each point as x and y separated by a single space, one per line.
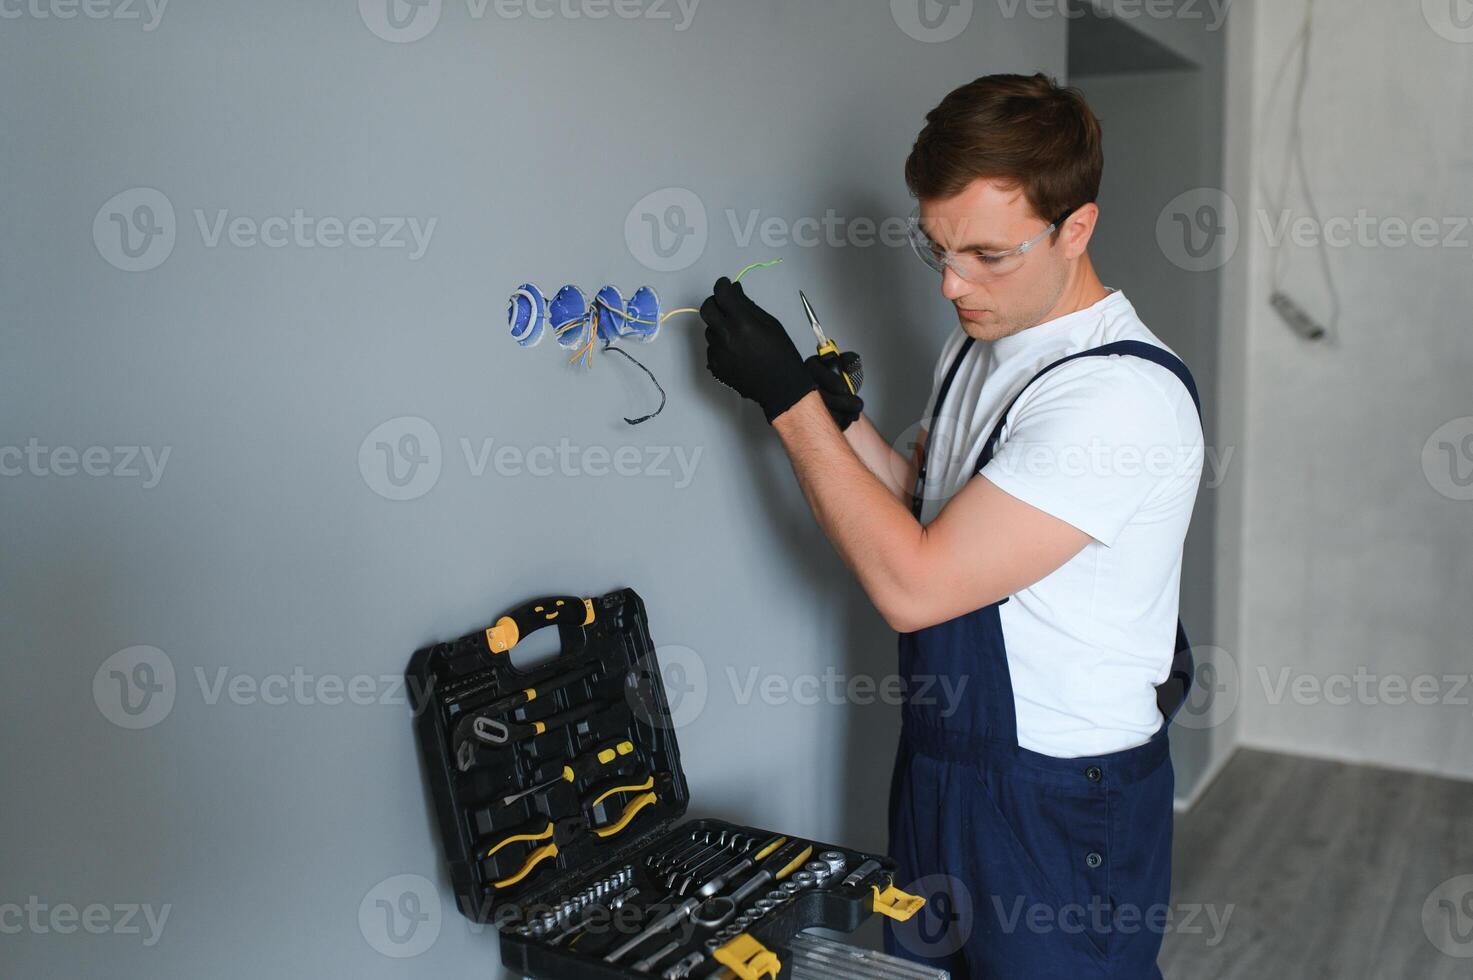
1322 870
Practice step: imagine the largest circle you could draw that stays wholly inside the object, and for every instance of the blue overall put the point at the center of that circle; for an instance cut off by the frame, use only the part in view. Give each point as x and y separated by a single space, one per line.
1034 867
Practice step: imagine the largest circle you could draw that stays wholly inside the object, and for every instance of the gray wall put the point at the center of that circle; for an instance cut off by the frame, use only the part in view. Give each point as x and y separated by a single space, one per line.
264 551
1355 613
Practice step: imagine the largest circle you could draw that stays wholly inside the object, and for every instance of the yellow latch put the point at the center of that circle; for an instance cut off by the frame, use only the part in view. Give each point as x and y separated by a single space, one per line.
749 959
896 904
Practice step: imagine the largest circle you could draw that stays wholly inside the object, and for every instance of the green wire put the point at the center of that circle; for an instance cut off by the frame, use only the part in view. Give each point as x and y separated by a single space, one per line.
756 265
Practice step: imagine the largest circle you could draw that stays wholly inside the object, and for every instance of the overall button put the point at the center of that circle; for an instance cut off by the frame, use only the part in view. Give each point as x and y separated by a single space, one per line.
1093 859
1094 774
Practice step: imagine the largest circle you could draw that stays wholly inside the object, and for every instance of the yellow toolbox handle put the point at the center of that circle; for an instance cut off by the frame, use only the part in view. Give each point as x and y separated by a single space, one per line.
749 959
896 904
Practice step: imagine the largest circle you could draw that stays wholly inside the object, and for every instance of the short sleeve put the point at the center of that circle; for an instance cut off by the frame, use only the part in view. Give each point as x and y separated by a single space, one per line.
1092 442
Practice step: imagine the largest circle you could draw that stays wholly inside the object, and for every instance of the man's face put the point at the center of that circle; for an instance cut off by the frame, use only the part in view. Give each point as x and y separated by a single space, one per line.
994 218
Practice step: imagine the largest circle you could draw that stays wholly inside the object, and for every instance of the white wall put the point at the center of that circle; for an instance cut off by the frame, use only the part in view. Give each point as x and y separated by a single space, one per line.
1352 560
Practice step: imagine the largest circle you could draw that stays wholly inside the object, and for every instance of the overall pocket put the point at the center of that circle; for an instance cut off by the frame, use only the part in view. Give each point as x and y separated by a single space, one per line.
1056 847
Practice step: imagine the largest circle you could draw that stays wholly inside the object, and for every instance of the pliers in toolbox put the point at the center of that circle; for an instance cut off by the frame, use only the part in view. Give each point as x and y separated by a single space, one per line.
536 856
647 797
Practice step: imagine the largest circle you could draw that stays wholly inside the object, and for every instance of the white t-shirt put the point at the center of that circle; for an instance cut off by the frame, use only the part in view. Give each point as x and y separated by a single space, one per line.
1112 445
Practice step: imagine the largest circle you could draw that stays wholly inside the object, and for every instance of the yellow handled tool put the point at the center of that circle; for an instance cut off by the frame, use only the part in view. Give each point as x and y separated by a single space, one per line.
533 859
578 769
849 366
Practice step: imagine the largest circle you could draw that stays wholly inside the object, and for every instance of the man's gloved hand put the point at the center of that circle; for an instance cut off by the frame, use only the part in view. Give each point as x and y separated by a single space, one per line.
749 351
842 405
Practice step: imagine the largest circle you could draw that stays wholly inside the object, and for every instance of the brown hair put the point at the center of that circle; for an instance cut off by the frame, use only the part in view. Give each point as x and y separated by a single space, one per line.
1024 130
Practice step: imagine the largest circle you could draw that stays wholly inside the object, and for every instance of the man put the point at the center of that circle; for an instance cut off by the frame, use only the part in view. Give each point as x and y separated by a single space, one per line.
1030 557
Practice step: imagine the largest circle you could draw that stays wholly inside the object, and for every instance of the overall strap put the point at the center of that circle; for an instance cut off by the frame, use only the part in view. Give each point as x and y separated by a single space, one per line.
1172 694
916 497
1131 348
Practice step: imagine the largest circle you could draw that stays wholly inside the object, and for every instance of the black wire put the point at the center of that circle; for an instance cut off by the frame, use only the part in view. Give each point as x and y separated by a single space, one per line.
653 380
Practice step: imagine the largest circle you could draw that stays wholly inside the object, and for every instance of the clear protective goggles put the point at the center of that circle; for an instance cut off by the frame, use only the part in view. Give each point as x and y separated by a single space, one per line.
975 265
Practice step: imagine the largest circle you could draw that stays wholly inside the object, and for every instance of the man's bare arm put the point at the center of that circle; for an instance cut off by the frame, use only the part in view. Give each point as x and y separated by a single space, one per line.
897 473
984 546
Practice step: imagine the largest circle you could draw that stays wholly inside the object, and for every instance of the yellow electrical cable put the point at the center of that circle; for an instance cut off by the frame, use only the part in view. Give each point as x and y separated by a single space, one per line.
592 317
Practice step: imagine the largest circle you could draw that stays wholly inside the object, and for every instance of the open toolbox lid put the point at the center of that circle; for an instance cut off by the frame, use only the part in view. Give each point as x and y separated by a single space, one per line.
588 733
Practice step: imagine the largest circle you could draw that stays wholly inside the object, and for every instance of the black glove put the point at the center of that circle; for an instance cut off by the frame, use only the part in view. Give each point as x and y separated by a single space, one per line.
749 351
844 406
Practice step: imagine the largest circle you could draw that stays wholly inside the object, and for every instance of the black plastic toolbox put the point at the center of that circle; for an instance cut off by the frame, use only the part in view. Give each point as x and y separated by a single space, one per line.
582 862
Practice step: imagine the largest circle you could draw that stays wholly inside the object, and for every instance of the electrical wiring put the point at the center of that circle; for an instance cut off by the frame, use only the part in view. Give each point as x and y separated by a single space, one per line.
1294 158
586 323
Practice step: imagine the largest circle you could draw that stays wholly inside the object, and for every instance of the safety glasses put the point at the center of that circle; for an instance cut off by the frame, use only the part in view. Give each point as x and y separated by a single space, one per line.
975 266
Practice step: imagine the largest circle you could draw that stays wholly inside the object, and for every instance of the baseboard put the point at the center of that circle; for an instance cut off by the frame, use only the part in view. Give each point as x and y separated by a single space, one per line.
1183 804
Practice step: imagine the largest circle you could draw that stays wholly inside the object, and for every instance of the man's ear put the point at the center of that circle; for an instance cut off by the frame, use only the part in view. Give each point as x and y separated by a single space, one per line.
1078 229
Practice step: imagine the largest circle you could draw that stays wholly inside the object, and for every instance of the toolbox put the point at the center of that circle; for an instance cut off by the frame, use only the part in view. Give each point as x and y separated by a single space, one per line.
560 797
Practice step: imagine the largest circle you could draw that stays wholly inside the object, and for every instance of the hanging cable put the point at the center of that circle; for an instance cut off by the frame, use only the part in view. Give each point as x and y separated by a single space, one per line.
1295 315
